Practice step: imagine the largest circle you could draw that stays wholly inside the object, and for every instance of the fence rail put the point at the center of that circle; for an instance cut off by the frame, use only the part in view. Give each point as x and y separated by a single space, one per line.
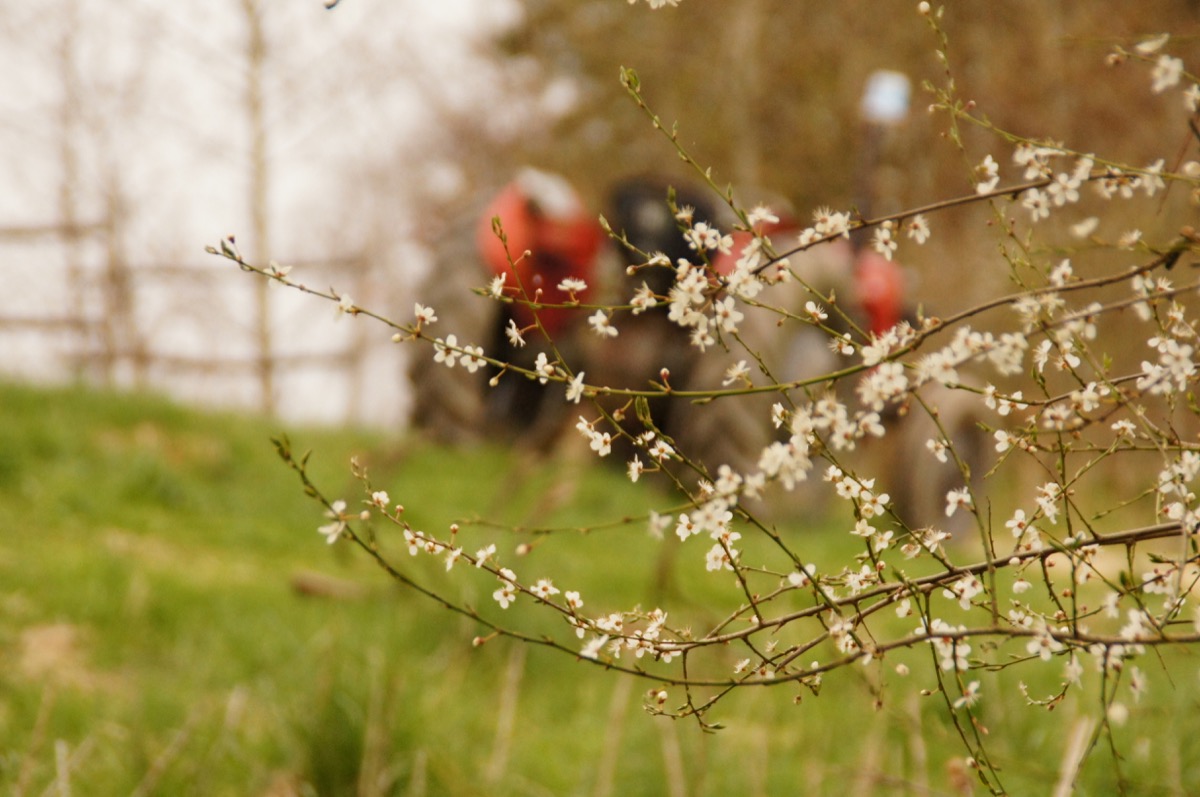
76 309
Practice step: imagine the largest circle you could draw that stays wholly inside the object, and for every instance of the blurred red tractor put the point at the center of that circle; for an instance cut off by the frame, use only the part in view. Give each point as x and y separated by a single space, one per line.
550 238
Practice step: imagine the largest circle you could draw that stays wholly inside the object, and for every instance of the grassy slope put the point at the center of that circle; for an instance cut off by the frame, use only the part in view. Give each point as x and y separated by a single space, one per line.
150 637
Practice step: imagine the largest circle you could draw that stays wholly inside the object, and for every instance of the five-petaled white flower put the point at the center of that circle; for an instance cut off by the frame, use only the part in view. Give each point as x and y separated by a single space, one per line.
827 222
446 351
1017 524
1042 644
600 324
883 242
702 237
543 367
970 696
957 498
333 530
660 449
483 555
472 358
726 316
425 315
643 299
280 273
496 288
575 388
592 649
736 373
544 589
572 285
917 229
1036 203
513 333
1166 73
761 213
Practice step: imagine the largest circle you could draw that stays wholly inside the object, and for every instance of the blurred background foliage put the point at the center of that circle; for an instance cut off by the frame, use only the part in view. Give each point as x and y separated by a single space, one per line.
766 92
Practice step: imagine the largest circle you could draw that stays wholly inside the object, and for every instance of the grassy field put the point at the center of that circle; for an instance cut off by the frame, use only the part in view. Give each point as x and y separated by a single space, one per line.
171 623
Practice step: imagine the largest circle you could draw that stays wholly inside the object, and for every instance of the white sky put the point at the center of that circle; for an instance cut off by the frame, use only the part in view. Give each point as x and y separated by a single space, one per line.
160 114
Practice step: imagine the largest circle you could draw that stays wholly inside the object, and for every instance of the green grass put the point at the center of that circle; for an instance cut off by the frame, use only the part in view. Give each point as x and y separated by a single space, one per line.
152 640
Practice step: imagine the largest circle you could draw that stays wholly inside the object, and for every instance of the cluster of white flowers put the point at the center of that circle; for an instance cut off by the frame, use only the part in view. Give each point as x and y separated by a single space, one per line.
1003 405
1175 494
949 642
884 240
841 633
614 633
449 353
1048 496
868 504
826 224
1170 580
880 346
713 518
691 304
964 589
1173 372
1026 535
702 237
506 593
885 383
419 542
1062 188
1149 289
643 299
1042 644
754 270
600 442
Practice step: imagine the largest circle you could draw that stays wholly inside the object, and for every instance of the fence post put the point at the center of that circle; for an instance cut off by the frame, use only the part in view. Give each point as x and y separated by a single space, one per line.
119 328
256 56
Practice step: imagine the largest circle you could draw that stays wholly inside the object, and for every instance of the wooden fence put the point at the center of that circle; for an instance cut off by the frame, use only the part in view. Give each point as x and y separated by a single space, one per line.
77 308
